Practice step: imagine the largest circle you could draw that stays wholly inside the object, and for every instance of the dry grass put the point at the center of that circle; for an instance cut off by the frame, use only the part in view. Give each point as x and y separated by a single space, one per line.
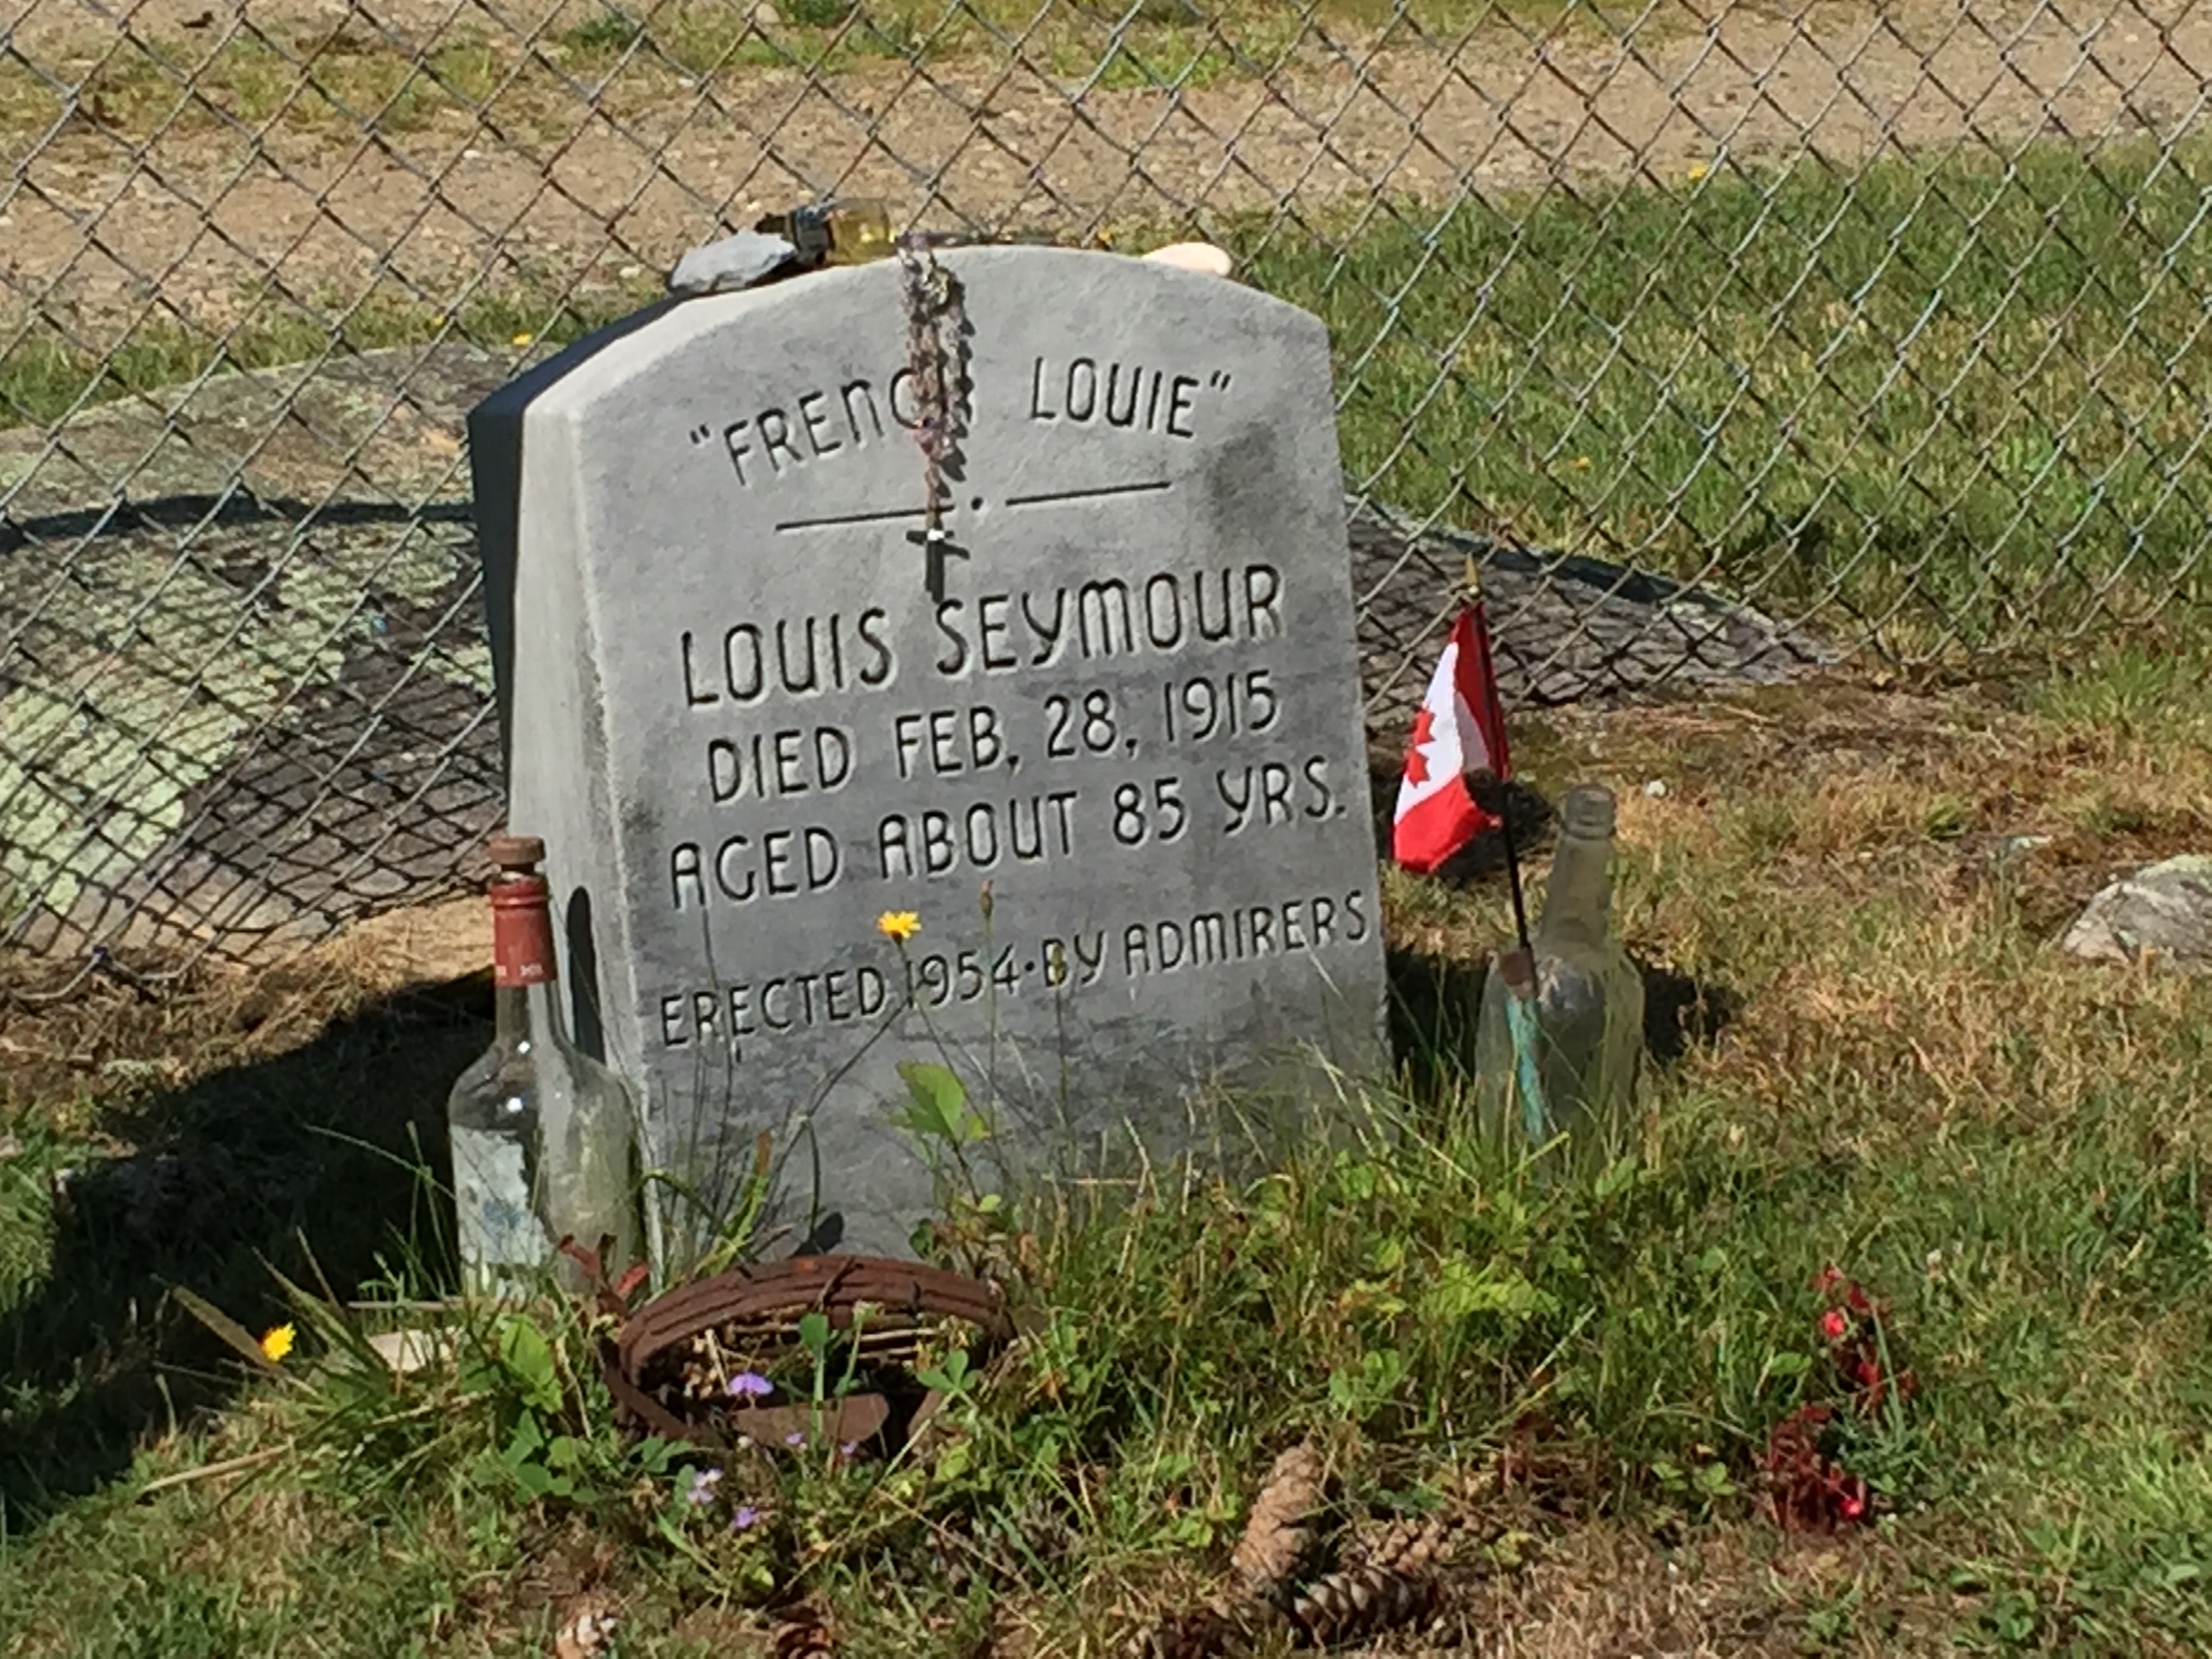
98 1047
1908 1076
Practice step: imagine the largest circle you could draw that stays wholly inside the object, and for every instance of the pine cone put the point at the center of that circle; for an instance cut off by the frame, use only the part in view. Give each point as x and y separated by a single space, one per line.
1274 1540
1391 1584
1361 1602
1412 1544
804 1635
1205 1634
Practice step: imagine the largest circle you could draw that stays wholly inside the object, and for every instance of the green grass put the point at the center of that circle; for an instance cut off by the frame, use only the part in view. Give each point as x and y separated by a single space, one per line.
1952 397
1894 1071
204 1137
47 376
1941 404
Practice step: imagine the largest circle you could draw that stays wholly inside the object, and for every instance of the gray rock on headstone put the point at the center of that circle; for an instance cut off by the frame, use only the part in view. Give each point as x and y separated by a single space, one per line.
736 262
746 729
2163 912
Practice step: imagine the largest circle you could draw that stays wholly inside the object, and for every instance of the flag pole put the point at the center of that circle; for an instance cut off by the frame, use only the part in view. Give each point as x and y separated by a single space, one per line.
1517 968
1512 857
1496 711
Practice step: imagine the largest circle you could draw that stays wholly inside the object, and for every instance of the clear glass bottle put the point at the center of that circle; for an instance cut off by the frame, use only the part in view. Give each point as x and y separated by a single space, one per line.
542 1133
1588 1000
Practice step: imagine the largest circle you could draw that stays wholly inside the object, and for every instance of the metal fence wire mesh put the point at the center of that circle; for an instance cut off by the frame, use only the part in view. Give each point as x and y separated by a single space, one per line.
1728 336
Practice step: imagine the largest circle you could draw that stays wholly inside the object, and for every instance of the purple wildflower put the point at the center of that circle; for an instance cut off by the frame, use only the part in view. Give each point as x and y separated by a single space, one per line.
794 1438
848 1447
702 1490
750 1385
747 1516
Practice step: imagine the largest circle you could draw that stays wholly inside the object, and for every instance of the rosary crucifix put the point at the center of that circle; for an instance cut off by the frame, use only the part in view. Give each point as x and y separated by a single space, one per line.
937 544
933 319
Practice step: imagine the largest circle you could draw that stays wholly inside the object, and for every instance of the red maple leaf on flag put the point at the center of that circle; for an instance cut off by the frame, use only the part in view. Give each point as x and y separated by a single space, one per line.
1417 765
1437 814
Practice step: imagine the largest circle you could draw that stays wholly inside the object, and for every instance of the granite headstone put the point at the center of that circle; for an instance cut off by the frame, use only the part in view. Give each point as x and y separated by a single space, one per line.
1101 732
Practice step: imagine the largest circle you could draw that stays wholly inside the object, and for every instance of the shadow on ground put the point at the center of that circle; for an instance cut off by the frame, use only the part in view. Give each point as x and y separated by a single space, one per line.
307 1158
1434 1001
1434 998
304 1162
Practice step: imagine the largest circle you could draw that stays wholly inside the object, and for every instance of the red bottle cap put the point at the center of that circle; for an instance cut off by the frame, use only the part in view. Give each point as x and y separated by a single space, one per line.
522 933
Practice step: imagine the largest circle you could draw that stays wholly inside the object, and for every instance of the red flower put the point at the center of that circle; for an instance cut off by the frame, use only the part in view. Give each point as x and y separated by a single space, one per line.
1834 1325
1853 1507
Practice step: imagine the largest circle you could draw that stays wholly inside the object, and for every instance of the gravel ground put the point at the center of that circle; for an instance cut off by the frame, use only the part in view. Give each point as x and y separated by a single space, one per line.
563 178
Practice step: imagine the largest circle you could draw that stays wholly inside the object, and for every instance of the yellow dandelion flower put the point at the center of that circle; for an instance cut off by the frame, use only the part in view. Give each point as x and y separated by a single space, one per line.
1697 171
276 1342
524 339
1580 463
899 926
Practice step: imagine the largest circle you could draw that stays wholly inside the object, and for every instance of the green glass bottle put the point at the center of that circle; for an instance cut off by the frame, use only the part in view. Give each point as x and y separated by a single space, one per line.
1587 998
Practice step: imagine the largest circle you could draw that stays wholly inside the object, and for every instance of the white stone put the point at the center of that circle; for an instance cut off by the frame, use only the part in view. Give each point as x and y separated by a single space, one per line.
1201 256
746 728
409 1351
2161 914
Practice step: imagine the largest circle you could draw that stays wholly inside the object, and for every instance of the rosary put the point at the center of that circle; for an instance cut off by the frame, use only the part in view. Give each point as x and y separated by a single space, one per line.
933 328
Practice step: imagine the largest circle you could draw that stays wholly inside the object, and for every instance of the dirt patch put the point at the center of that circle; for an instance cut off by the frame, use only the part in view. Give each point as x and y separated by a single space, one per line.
1600 1589
112 1040
564 177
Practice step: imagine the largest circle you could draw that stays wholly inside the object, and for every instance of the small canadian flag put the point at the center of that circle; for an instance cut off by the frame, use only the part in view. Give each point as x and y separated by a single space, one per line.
1459 729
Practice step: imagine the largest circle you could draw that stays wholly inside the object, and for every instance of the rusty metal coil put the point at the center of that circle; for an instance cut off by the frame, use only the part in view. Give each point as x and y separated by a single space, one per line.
771 1298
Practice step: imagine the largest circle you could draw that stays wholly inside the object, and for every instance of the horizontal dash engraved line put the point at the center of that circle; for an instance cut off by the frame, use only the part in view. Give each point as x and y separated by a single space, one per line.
892 517
1058 495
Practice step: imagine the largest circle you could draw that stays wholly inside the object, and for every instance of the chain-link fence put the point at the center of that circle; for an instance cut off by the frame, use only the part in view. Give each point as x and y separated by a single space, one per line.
1730 338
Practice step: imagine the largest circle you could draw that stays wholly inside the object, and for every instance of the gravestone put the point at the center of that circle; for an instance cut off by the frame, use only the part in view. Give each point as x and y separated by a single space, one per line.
1094 722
